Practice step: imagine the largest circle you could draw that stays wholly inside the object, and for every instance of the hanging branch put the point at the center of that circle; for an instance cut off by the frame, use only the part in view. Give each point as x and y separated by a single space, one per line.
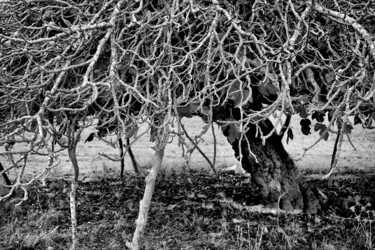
5 176
199 149
132 157
215 145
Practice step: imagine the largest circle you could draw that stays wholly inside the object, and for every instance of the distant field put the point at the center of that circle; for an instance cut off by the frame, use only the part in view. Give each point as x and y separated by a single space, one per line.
317 159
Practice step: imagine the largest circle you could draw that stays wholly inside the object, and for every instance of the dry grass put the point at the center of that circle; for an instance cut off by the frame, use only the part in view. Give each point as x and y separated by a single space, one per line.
32 229
188 212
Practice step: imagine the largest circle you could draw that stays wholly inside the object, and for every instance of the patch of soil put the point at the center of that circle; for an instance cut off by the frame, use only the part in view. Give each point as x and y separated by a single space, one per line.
191 211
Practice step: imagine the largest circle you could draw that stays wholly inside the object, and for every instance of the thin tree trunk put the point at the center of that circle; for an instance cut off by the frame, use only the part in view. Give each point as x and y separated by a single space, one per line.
122 160
74 136
132 157
145 203
215 145
72 195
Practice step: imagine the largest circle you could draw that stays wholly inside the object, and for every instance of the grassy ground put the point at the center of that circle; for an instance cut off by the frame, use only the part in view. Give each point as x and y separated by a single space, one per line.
195 210
191 211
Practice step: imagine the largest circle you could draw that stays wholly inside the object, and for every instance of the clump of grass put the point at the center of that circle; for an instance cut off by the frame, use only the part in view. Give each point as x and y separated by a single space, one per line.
120 225
49 219
34 231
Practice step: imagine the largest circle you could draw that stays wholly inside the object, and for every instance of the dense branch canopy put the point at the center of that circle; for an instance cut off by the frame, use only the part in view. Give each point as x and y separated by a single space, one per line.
124 61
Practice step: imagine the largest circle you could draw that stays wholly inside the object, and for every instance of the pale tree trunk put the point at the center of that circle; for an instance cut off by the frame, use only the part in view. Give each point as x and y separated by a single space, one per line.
145 203
273 170
74 137
72 195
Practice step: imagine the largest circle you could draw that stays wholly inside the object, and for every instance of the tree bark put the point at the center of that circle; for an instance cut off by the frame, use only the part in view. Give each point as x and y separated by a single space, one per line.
74 137
132 157
122 155
273 170
72 196
122 160
145 203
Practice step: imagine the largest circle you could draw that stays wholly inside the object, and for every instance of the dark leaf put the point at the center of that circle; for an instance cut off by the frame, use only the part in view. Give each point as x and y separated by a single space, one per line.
318 116
305 126
131 131
348 128
302 112
319 126
357 120
184 112
305 122
132 71
90 137
267 89
233 133
322 130
289 135
324 135
306 130
330 115
194 107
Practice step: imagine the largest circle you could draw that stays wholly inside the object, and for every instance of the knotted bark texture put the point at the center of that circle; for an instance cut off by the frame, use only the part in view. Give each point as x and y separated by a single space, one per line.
273 170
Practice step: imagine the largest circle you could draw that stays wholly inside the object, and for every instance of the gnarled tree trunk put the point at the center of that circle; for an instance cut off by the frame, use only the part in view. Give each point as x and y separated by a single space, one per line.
273 170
